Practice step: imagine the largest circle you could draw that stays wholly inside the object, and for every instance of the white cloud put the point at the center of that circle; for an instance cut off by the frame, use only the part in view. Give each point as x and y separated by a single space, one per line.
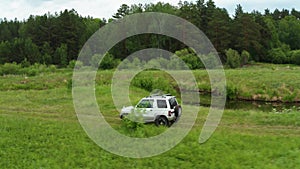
21 9
260 5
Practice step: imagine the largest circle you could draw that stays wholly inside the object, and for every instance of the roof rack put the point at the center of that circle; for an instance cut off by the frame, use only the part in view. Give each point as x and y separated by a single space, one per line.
155 95
159 95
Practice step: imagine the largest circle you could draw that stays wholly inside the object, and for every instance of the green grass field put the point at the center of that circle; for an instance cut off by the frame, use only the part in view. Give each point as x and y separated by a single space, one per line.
39 127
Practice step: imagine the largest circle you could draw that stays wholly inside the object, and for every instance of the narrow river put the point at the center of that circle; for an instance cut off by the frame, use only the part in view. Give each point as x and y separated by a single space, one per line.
251 105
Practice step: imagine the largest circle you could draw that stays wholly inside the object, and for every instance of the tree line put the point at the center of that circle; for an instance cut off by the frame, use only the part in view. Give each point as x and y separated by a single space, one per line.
56 39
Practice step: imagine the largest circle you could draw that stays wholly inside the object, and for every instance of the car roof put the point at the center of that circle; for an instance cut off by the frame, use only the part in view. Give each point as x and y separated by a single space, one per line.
165 96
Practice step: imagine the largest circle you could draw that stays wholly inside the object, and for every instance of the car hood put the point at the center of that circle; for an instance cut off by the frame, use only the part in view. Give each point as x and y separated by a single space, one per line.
127 109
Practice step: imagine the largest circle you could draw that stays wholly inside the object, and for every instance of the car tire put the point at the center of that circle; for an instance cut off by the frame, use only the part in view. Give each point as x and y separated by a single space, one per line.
162 121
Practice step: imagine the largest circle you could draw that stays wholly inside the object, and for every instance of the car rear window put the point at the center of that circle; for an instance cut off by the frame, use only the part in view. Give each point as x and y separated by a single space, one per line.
173 102
161 104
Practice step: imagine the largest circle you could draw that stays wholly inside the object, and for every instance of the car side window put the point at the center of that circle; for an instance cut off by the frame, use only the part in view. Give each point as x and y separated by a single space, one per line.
146 103
161 104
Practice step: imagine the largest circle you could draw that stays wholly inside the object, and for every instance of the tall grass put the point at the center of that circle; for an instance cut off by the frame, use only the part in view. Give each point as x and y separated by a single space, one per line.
39 129
256 82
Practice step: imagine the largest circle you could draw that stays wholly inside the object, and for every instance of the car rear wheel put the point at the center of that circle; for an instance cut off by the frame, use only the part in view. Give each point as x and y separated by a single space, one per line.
162 121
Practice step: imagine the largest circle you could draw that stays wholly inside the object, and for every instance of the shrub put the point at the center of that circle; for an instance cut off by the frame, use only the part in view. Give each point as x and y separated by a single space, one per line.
30 71
277 56
79 65
33 70
143 82
210 61
245 56
25 63
74 63
290 97
108 61
231 91
136 63
133 124
10 68
39 67
296 57
233 58
153 64
176 63
52 68
95 60
152 82
125 64
163 84
190 59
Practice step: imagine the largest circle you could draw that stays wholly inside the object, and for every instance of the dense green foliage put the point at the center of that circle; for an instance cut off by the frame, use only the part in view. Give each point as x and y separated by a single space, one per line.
48 39
57 39
20 69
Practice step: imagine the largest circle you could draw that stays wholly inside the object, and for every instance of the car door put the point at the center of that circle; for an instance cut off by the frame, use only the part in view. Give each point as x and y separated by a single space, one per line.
162 107
145 107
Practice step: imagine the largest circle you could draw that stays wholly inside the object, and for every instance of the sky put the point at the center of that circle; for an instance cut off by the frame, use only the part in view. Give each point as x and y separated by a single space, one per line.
22 9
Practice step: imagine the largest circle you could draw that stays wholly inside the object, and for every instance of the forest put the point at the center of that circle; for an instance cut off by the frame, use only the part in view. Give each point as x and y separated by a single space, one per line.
56 39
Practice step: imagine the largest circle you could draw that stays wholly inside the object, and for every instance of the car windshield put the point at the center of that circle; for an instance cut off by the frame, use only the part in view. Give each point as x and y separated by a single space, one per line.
145 103
173 102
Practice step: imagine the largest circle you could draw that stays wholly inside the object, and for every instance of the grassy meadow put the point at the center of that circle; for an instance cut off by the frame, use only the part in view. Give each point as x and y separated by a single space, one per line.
39 127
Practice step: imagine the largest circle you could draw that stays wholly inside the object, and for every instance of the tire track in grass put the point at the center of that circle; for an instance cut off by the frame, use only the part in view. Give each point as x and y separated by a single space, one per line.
115 121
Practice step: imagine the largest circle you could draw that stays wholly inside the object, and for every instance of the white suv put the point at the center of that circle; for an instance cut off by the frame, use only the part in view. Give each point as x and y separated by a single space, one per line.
161 109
